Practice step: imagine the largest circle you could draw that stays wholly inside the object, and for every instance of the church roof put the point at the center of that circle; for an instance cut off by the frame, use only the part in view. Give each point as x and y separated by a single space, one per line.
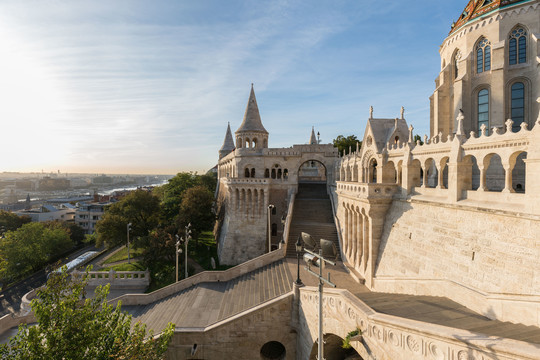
477 8
252 118
228 143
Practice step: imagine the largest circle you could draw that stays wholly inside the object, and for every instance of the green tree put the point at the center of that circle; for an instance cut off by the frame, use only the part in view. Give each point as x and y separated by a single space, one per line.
30 247
140 208
196 208
171 194
71 328
10 221
418 138
345 143
76 233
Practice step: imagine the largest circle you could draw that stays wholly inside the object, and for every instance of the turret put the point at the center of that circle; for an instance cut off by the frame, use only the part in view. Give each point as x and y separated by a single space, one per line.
228 143
312 138
251 133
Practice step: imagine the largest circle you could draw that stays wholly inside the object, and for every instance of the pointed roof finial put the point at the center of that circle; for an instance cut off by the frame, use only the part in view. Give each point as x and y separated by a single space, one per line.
371 112
228 143
402 113
252 118
312 138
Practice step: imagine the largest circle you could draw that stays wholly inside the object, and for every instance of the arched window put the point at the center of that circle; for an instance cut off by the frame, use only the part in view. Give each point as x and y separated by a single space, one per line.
457 57
253 172
267 173
517 50
483 108
483 56
517 105
273 173
246 172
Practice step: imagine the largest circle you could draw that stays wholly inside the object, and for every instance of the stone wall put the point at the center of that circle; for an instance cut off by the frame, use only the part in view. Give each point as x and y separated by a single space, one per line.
240 337
484 259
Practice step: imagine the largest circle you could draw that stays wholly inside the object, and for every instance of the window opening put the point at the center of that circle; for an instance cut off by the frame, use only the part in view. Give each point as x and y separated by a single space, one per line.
517 51
517 112
483 108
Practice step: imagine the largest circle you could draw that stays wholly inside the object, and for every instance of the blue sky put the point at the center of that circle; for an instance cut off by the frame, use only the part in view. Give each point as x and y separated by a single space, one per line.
149 86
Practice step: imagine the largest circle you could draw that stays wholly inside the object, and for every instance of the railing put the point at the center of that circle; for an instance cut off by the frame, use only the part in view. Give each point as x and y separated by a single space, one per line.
287 227
388 333
247 181
205 276
117 278
365 190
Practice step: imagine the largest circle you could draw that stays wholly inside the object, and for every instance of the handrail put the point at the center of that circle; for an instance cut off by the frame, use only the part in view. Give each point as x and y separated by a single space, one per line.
288 220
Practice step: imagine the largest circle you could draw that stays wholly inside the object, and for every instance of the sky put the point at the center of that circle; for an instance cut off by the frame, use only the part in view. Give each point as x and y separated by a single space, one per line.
130 86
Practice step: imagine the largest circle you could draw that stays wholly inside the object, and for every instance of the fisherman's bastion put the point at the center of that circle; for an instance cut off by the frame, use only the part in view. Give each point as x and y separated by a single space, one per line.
437 246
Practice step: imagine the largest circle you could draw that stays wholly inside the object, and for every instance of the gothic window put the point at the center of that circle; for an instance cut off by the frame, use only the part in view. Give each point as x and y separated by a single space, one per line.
517 51
279 174
483 108
273 173
253 172
483 56
267 173
246 173
517 105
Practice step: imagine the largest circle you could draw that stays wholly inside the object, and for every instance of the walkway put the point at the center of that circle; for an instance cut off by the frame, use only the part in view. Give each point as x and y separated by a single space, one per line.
312 214
207 303
432 309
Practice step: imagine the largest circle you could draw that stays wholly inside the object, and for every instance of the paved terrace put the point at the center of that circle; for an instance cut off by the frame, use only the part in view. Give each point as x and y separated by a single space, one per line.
432 309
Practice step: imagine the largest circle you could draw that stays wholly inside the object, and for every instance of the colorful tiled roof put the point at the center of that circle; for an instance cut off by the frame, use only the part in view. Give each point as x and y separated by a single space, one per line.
477 8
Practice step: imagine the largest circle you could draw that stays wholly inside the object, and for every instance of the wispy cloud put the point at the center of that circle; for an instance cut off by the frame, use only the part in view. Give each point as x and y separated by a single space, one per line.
150 87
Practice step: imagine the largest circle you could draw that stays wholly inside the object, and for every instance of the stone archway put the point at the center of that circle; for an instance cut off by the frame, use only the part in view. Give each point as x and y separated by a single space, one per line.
333 349
312 171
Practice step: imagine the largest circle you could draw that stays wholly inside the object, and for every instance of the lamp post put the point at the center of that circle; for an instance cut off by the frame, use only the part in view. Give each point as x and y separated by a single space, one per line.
186 241
128 230
299 249
178 251
318 260
270 207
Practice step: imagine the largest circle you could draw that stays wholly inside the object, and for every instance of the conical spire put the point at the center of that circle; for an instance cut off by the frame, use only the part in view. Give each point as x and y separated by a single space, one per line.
228 143
252 118
312 139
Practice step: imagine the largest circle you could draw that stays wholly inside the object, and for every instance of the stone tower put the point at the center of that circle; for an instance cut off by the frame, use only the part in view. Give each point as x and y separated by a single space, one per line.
228 143
251 133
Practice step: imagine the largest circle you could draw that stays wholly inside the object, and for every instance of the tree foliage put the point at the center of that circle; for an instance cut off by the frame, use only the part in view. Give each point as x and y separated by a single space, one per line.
345 143
173 192
71 327
75 232
140 208
30 247
10 221
196 208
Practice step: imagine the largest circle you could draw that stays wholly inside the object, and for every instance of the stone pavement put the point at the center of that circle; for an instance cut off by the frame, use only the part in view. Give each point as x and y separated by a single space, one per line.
432 309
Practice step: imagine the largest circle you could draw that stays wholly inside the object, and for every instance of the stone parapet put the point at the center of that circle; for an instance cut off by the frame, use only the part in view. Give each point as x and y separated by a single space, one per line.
390 337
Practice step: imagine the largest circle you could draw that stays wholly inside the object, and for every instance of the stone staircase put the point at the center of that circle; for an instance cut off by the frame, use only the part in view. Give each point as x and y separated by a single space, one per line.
206 303
312 214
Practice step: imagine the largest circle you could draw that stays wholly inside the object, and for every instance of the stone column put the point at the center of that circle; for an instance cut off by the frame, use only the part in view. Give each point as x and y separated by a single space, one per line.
482 186
507 178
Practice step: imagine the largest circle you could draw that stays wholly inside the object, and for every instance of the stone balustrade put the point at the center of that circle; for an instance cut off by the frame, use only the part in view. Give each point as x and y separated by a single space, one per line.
391 337
365 190
117 279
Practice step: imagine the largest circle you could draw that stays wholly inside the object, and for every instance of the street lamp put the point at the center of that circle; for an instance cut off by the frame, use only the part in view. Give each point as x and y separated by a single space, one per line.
128 230
270 207
299 249
318 260
186 241
178 251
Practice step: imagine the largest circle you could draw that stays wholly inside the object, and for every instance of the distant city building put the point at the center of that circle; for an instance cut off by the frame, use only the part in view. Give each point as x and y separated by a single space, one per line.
62 212
88 214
